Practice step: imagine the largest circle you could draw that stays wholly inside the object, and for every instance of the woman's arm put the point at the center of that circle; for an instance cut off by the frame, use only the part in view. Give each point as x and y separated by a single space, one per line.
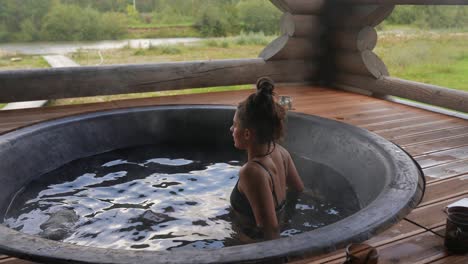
257 189
293 180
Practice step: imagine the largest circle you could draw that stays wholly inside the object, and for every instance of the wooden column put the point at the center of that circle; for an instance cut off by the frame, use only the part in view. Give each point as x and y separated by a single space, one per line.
301 27
352 37
355 39
300 7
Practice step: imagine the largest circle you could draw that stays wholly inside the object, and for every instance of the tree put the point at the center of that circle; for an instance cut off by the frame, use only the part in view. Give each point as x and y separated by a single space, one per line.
256 16
211 23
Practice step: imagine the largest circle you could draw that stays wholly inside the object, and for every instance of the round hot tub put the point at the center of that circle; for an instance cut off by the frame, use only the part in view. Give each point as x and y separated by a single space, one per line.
386 182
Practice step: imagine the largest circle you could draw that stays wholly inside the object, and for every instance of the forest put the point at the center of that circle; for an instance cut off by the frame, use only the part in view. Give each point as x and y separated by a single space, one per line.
71 20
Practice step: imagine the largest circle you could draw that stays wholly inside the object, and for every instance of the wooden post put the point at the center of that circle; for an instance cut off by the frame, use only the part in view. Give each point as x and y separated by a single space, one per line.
300 25
363 63
306 7
355 40
286 47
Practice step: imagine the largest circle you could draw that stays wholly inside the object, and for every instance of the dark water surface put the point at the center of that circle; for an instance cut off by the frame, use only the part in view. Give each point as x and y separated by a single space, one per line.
145 198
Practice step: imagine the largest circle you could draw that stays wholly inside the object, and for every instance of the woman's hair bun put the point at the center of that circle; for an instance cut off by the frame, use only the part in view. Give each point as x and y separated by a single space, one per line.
265 85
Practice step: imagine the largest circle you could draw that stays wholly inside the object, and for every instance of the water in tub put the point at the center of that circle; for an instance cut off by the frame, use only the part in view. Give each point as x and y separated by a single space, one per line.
155 198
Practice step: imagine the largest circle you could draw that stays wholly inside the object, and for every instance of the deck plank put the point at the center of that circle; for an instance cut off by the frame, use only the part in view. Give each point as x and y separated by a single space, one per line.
421 247
419 128
401 122
455 259
432 215
16 261
442 157
444 190
432 136
446 171
440 145
438 142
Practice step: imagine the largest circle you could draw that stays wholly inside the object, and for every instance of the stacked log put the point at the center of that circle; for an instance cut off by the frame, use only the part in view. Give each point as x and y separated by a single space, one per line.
353 38
357 67
301 28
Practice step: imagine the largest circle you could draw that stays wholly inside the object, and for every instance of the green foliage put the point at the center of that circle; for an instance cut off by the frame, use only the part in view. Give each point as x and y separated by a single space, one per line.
430 17
132 13
158 50
212 22
70 22
258 16
436 58
113 25
252 38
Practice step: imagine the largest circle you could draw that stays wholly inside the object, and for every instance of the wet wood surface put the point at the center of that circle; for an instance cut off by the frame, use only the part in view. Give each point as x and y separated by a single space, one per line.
438 142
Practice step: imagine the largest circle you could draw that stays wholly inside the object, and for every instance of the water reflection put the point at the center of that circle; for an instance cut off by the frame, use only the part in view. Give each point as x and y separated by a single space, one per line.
145 198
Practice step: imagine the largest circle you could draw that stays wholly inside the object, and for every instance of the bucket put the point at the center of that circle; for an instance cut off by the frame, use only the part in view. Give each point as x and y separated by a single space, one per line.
456 232
361 254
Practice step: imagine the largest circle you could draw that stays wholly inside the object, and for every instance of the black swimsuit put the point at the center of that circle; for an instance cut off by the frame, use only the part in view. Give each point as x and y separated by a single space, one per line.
241 204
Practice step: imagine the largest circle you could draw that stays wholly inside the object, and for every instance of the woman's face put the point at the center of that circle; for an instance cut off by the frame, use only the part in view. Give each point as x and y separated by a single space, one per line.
238 133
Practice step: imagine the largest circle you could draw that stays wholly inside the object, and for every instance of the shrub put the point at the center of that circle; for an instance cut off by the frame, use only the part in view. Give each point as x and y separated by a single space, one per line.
211 23
113 25
69 22
252 38
259 16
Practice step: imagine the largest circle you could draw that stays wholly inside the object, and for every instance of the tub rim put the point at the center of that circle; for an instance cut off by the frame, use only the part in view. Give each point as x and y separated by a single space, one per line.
392 201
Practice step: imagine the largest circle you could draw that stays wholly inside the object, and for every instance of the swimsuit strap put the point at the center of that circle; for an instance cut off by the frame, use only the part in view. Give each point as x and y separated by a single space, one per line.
272 182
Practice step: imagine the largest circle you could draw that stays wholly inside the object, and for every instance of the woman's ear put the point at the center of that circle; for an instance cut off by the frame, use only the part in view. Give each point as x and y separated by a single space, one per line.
247 134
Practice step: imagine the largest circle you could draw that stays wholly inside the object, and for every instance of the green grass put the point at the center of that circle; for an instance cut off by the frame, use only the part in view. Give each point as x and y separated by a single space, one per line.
187 23
96 99
213 49
428 57
16 62
163 32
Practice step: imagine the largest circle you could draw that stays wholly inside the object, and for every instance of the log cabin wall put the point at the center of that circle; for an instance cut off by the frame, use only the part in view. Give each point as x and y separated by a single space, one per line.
301 29
357 67
338 38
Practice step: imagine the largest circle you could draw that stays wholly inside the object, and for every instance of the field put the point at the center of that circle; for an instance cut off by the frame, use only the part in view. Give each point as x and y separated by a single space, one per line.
18 61
439 58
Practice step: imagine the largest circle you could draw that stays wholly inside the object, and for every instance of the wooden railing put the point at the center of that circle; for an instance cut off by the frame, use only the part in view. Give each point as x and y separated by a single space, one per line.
325 41
26 85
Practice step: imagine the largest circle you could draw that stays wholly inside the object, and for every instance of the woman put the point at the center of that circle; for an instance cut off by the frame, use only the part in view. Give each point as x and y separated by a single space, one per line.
269 172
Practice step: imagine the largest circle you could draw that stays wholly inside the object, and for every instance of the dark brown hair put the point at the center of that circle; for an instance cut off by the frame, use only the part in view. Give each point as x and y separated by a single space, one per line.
262 113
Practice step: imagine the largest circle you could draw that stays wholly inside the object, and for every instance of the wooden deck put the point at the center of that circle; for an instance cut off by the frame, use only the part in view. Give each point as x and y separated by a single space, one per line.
438 142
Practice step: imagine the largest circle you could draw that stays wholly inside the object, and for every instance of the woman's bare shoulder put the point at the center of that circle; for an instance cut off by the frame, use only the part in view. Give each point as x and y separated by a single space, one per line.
284 152
249 173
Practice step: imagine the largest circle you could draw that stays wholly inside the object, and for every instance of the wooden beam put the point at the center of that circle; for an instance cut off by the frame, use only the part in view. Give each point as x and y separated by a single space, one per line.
407 2
300 25
362 63
355 40
28 85
421 92
300 7
358 16
290 48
